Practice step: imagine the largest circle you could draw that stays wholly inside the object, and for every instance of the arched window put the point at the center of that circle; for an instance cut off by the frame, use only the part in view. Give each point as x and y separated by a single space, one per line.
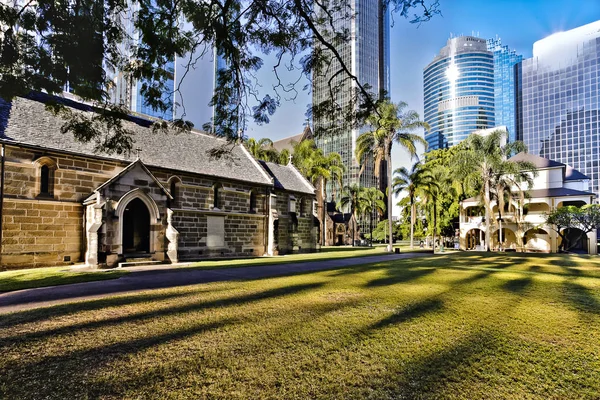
217 195
174 189
45 180
252 201
46 167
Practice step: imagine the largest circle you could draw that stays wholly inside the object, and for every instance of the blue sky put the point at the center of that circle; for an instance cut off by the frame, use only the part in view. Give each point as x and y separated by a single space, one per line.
518 23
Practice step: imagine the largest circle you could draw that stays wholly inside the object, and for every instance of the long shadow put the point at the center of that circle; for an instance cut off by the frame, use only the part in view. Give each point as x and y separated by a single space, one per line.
396 276
196 306
426 377
81 362
517 285
581 297
43 314
412 311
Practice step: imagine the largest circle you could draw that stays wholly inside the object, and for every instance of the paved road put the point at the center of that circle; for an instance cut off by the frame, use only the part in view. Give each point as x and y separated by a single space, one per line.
145 279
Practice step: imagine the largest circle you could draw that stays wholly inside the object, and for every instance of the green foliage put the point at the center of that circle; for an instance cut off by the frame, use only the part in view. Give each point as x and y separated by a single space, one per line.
48 44
565 219
381 231
391 123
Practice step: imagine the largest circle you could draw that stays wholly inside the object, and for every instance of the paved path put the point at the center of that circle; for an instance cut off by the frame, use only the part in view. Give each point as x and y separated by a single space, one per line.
145 279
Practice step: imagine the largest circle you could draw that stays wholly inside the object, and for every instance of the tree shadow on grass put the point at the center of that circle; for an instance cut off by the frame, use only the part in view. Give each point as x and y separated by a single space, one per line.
426 377
85 369
163 312
581 297
409 312
46 313
517 285
395 276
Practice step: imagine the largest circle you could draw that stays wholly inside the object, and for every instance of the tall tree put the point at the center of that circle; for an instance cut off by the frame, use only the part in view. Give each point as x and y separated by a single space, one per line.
392 123
411 182
353 199
487 158
373 204
262 149
46 45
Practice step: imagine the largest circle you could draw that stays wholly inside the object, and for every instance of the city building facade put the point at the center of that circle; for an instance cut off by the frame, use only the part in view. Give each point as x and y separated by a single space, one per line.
367 55
522 226
458 91
504 85
558 95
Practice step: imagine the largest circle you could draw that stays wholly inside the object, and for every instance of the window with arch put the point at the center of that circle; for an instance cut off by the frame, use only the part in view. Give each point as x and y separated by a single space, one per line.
174 189
252 201
217 189
46 168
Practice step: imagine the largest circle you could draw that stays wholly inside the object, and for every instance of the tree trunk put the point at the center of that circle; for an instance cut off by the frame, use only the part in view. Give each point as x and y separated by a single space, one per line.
412 224
389 192
434 222
371 230
488 217
324 216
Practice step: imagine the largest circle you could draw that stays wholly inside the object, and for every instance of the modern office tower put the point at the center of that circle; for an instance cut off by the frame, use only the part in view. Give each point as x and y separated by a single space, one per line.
458 91
504 85
367 56
558 95
127 90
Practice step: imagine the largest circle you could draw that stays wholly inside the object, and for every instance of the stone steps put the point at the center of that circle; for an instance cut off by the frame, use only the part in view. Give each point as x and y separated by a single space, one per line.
138 262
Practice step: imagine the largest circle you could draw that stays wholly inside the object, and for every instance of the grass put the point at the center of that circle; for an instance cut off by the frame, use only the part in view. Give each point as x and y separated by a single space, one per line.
51 276
42 277
458 326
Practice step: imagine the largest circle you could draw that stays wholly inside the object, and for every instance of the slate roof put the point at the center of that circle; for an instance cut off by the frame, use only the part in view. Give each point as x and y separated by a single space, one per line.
287 177
341 218
571 174
288 142
551 192
25 121
539 162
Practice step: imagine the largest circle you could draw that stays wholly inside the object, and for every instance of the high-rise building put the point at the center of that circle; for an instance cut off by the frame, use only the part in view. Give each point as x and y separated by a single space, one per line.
458 91
504 85
366 54
558 96
127 90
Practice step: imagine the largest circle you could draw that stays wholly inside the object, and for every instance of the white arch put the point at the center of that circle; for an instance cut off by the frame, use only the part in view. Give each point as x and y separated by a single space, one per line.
152 209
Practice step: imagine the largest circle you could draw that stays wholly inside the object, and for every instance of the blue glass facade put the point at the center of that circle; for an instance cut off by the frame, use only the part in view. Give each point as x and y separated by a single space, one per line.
167 96
362 55
504 85
458 91
558 92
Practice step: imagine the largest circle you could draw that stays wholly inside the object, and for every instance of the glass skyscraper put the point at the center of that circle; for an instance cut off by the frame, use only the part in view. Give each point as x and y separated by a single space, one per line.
458 89
128 91
558 96
361 54
504 85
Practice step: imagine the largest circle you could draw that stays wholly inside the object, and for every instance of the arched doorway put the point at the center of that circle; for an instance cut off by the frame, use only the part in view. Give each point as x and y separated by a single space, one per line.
537 240
474 239
136 227
509 239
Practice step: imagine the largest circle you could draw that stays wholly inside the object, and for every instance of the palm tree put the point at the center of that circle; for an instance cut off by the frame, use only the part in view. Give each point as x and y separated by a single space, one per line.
391 124
430 193
487 157
319 169
352 198
411 182
373 203
262 149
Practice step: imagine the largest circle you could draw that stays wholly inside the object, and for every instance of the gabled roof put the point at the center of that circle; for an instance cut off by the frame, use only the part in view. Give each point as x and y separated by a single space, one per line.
288 142
571 174
130 167
25 121
341 218
538 161
287 177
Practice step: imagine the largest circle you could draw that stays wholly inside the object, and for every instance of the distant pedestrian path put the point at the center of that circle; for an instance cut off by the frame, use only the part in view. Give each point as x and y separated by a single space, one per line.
137 281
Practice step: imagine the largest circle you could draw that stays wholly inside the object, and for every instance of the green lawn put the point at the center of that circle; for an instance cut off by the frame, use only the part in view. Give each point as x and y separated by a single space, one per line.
41 277
51 276
461 326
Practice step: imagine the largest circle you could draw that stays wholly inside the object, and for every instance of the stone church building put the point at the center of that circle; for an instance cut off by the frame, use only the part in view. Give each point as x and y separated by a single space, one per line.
65 203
